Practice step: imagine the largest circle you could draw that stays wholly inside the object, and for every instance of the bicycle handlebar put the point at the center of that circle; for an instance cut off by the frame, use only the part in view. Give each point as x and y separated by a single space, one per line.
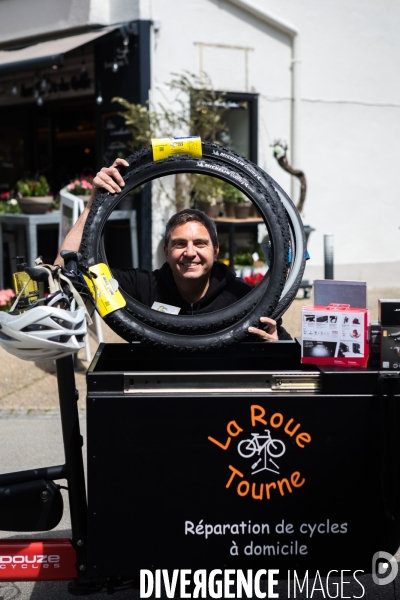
71 260
37 274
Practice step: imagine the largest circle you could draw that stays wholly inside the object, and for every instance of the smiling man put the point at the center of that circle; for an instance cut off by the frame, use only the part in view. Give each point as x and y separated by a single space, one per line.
192 279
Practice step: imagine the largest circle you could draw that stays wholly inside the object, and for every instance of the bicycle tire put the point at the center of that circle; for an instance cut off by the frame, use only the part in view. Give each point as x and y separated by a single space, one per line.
298 239
138 322
273 443
249 442
275 191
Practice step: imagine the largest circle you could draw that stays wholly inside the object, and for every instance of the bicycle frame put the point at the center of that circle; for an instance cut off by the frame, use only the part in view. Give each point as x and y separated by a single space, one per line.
257 437
262 447
54 559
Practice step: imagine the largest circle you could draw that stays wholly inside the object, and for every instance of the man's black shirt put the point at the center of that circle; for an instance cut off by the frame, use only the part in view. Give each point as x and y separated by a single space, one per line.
148 287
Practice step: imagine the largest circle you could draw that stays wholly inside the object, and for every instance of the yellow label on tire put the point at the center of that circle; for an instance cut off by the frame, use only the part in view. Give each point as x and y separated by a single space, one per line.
164 147
104 289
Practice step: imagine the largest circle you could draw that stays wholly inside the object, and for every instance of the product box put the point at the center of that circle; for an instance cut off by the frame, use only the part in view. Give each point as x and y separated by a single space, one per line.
335 335
390 348
327 291
389 313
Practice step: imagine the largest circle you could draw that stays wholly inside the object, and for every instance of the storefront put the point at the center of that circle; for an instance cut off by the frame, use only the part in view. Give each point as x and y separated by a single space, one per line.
56 110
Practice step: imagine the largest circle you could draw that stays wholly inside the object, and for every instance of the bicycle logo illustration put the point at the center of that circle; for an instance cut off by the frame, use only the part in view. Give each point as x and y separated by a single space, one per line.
262 444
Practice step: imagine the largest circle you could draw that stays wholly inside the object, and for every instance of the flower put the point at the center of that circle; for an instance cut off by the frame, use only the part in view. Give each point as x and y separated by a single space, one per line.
10 206
80 187
5 298
253 279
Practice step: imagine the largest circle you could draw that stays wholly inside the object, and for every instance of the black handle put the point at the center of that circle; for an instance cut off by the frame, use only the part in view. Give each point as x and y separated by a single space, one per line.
71 260
36 274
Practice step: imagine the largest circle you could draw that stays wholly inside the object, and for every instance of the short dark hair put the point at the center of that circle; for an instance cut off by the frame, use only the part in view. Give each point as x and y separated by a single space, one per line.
191 214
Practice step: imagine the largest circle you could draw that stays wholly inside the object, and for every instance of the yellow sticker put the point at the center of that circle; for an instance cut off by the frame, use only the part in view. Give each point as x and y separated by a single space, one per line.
164 147
104 290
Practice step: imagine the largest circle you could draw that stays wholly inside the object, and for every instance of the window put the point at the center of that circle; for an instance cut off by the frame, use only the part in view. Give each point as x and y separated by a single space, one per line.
241 120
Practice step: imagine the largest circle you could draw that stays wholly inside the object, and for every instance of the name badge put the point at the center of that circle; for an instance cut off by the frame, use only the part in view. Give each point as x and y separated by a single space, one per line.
168 308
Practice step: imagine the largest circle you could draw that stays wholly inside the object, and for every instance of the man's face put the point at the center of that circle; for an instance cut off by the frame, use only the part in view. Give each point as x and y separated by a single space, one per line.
190 252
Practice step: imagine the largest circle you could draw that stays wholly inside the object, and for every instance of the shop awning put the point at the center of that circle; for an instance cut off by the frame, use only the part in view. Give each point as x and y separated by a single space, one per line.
45 54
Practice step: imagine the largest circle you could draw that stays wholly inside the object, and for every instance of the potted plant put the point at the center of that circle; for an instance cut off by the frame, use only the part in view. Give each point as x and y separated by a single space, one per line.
8 205
236 203
230 195
33 195
242 207
81 187
200 111
207 194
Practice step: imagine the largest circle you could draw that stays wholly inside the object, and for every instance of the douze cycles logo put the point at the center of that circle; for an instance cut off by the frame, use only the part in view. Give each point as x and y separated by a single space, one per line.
262 449
45 561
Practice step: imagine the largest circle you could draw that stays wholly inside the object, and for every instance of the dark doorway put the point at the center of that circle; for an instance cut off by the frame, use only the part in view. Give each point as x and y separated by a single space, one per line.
66 141
57 140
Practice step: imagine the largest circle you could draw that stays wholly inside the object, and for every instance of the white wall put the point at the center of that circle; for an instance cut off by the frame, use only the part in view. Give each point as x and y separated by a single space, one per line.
176 48
349 130
349 126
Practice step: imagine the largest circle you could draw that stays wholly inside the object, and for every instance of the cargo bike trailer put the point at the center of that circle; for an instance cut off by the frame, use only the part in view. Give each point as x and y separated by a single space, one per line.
211 463
206 450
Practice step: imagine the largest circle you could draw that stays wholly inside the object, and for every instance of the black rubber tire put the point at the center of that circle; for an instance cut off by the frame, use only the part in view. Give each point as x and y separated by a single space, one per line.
276 194
216 329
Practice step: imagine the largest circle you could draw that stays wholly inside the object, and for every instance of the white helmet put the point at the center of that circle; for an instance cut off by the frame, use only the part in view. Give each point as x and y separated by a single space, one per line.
43 332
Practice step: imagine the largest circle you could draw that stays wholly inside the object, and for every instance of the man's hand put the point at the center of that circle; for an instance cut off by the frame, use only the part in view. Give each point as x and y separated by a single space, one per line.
109 178
268 336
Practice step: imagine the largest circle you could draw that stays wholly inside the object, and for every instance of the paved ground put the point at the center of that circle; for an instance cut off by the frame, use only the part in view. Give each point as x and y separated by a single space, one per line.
26 442
29 387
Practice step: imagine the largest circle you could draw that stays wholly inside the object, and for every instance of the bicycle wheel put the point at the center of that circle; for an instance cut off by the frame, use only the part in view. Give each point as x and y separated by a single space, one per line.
278 448
273 190
217 329
249 448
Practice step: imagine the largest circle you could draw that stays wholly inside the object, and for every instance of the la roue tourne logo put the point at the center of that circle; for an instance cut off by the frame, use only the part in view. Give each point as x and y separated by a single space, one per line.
263 449
260 444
